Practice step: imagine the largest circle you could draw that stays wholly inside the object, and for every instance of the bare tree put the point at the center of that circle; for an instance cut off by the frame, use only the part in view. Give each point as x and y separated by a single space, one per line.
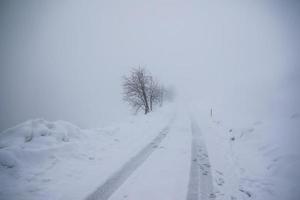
142 91
135 89
154 92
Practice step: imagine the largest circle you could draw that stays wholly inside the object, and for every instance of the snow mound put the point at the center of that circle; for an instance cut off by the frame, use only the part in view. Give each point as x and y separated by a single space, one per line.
57 160
32 150
39 133
7 160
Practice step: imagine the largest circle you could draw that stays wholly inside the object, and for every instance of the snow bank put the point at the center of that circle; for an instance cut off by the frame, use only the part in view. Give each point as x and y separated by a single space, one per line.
27 150
57 160
253 159
39 133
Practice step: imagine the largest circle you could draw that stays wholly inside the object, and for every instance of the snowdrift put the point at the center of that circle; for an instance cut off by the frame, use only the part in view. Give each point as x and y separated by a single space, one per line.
253 159
39 133
27 150
58 160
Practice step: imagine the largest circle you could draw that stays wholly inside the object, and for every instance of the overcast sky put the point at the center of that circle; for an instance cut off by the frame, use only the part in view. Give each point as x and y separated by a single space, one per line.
65 59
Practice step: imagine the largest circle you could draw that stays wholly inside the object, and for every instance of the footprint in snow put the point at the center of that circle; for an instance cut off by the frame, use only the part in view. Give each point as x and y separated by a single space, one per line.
46 180
245 192
220 181
295 116
91 158
257 123
219 172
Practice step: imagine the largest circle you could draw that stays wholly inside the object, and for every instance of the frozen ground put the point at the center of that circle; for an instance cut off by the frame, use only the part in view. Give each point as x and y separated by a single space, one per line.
56 160
253 159
173 153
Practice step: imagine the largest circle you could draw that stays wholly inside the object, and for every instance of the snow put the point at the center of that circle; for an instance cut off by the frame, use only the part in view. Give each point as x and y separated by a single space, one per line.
57 160
39 133
248 159
165 174
252 159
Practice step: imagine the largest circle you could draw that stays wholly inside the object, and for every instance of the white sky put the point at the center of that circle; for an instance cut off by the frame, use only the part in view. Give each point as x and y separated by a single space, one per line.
65 59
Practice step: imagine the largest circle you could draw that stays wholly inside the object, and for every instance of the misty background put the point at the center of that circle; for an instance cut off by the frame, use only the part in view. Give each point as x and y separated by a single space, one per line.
65 59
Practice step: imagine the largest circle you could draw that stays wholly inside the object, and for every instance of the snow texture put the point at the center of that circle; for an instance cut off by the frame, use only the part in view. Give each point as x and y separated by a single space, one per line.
193 156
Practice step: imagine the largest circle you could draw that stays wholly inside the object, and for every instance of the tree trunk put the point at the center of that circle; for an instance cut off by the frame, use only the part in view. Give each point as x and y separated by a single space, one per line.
146 102
151 103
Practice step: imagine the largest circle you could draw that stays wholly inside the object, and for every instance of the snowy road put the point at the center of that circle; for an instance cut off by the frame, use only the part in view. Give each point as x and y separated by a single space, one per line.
200 185
178 169
117 179
148 157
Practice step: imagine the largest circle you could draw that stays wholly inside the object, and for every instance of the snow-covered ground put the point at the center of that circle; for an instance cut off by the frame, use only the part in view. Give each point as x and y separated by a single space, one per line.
57 160
256 159
159 156
165 175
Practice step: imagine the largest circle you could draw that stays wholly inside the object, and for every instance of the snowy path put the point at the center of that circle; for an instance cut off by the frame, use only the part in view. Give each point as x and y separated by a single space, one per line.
118 178
147 157
178 169
165 175
200 184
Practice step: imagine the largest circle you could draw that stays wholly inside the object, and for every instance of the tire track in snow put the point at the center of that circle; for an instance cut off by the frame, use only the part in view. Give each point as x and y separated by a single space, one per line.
200 183
118 178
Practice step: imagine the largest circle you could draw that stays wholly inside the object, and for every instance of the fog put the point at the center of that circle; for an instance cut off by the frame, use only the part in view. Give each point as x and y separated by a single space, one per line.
65 59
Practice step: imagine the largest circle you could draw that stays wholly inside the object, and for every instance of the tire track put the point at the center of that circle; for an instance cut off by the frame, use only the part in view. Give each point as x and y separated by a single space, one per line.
200 183
118 178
